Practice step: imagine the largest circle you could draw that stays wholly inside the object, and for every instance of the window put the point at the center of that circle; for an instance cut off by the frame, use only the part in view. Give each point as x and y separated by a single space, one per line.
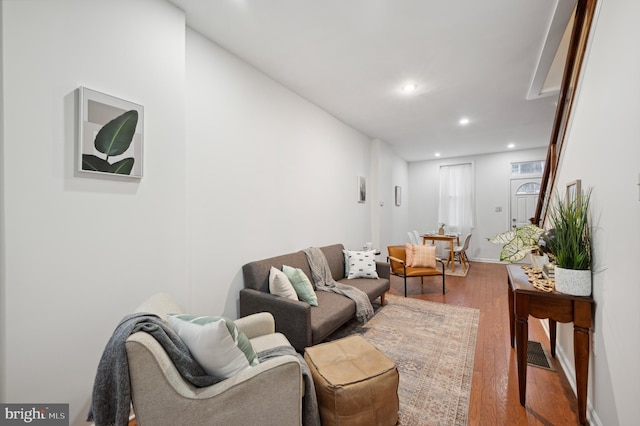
528 188
527 168
457 197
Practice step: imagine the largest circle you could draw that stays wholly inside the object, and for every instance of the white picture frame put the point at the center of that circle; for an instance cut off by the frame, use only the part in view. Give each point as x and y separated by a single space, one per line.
111 135
573 191
362 189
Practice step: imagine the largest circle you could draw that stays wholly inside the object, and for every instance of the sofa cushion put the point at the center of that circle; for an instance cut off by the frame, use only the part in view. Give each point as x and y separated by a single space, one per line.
280 285
301 284
333 310
360 264
373 288
335 258
256 273
215 342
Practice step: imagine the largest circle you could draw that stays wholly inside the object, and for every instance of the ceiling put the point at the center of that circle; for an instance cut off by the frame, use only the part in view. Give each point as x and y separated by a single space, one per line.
484 60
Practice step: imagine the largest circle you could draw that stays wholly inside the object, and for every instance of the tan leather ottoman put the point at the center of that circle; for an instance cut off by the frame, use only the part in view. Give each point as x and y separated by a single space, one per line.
356 384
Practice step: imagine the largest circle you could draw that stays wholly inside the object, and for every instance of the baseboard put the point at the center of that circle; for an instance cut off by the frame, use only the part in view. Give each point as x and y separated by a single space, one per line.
567 366
483 260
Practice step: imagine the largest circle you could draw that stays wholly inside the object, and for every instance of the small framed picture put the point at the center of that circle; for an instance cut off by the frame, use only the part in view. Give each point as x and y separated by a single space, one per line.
362 189
110 135
573 191
398 195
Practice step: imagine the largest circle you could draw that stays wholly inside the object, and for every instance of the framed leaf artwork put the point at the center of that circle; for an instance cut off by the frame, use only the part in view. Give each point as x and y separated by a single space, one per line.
110 135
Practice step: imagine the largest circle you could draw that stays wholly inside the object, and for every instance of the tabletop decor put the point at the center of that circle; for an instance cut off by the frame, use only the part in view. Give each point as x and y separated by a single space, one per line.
571 245
441 228
110 135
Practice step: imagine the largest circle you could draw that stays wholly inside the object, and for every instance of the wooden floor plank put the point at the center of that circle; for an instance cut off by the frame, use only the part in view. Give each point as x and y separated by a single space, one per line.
494 389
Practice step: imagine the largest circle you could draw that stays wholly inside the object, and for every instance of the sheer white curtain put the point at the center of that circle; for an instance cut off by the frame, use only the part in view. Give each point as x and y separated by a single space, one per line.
457 198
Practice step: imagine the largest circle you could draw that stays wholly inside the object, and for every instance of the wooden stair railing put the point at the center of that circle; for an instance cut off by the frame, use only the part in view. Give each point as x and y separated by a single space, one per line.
584 14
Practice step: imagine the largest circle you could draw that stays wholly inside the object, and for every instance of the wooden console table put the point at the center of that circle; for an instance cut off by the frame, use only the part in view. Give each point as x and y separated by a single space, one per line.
525 300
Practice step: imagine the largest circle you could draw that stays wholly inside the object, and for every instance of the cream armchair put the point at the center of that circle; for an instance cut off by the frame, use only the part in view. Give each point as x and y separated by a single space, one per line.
269 393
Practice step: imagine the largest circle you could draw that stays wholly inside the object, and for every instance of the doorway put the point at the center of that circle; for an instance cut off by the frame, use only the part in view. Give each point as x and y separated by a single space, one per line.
524 199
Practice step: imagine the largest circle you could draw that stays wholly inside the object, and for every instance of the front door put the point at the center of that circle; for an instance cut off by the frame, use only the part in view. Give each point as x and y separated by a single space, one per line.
524 198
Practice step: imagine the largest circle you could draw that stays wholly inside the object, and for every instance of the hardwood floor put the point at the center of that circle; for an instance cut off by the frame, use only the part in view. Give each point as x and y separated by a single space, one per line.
494 390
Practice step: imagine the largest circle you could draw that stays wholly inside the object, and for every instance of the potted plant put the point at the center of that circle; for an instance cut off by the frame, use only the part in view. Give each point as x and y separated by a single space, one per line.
571 245
518 243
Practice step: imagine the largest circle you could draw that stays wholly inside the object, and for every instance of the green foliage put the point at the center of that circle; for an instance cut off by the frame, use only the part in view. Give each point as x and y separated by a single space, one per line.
518 242
572 244
114 138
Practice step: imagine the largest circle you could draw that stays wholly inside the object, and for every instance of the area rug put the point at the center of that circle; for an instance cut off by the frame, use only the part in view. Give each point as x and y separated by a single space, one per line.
433 346
461 271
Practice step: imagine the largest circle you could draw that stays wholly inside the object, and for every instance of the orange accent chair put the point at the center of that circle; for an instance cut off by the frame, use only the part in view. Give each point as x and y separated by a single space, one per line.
398 258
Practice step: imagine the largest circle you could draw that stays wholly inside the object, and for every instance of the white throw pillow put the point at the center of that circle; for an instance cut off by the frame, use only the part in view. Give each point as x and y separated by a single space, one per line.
360 264
280 285
216 343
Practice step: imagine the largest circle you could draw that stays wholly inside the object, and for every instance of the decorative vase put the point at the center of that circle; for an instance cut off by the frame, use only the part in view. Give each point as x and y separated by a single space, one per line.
441 230
576 282
538 261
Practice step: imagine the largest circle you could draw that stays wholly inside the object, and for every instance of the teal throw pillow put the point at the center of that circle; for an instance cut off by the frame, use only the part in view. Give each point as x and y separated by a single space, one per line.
301 285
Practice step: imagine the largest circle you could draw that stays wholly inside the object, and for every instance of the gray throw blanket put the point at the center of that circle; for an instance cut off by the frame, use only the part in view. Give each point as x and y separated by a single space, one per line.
324 281
310 413
111 399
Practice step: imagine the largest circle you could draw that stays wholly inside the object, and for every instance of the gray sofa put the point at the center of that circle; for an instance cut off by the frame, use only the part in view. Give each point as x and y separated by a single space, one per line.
302 324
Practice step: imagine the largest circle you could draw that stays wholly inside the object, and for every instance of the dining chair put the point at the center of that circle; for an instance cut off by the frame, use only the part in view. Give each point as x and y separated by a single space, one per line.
461 253
412 237
398 266
418 237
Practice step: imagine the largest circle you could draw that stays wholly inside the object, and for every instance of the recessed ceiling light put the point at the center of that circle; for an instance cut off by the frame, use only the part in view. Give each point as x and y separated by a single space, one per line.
409 87
511 145
437 154
464 121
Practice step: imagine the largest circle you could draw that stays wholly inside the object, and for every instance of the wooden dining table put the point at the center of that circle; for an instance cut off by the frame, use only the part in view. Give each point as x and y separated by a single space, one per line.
444 237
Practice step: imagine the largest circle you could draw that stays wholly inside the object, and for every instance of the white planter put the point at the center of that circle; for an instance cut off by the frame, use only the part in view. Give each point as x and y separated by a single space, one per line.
576 282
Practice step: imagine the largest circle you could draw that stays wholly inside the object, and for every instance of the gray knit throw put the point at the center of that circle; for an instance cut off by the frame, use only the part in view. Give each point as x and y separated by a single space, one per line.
321 274
310 413
111 399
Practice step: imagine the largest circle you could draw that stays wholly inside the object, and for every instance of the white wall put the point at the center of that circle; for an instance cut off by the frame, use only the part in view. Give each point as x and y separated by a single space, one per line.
260 172
492 180
603 150
391 220
268 173
80 253
3 294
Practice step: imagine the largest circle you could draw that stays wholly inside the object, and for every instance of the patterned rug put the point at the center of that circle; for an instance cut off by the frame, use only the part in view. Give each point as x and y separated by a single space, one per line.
461 271
433 346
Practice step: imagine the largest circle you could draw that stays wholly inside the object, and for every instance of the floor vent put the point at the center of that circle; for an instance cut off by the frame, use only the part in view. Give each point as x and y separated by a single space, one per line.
537 356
